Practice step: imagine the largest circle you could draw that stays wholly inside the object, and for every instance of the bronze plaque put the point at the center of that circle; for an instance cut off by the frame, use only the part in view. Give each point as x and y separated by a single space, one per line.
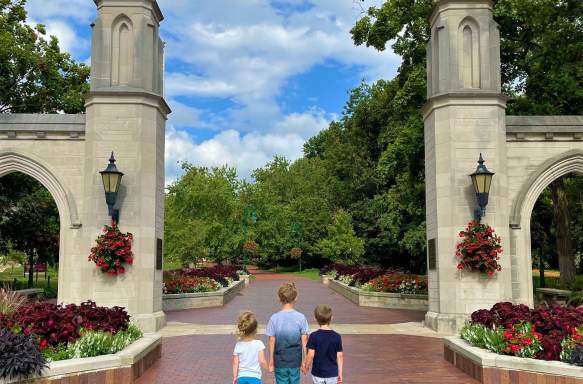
431 254
159 251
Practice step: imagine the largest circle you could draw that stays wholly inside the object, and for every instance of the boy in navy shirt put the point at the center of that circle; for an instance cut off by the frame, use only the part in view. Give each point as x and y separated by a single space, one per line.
325 350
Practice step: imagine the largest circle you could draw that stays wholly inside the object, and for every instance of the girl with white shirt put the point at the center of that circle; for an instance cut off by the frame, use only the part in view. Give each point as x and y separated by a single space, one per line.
249 355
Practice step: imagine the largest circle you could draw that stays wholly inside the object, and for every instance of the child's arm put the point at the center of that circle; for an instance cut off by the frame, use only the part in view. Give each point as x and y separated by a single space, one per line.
235 368
304 345
340 359
262 360
271 353
308 361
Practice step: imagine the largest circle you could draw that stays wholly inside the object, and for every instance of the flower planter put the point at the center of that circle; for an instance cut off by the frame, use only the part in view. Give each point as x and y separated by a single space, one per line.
491 368
325 279
380 299
123 367
180 301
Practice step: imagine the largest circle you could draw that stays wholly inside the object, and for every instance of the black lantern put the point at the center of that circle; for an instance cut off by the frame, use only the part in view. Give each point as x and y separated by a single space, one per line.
482 180
111 178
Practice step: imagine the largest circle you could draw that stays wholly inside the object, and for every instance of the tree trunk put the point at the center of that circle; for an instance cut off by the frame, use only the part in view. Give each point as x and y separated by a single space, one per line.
563 235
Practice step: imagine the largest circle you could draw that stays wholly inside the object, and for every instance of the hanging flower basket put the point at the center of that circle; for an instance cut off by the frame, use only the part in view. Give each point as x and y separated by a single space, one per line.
250 246
480 249
113 249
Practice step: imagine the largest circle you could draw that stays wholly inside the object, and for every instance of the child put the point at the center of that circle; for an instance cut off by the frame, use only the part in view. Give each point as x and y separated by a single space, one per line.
325 350
249 355
288 334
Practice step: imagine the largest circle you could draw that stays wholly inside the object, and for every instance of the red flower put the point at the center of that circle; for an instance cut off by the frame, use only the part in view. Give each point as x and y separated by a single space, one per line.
515 348
112 249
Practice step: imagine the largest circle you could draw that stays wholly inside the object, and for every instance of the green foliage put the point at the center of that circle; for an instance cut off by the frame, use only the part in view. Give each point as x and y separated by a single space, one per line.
97 343
29 219
35 76
341 244
481 336
203 215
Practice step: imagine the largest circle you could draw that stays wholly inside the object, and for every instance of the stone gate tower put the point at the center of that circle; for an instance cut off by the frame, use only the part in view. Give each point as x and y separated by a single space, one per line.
126 113
464 116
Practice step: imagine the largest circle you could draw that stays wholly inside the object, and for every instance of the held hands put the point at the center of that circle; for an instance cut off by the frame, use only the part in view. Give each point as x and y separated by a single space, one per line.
340 379
271 368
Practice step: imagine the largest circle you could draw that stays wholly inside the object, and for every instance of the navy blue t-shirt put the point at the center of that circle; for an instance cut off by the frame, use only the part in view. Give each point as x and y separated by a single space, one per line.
327 344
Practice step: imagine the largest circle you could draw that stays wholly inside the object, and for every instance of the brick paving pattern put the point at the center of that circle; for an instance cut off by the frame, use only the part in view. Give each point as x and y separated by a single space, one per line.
370 359
261 298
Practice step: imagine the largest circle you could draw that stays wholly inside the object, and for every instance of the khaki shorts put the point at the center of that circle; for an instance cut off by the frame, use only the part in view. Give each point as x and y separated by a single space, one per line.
327 380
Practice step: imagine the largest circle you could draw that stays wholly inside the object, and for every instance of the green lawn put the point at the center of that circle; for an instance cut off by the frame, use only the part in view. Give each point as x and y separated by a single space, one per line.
552 280
312 273
9 275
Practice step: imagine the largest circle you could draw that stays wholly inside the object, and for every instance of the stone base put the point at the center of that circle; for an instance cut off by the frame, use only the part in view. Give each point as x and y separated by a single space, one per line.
447 324
490 368
149 323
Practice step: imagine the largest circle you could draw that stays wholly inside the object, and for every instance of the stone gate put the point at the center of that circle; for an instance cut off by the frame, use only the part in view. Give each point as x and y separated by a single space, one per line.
465 116
125 113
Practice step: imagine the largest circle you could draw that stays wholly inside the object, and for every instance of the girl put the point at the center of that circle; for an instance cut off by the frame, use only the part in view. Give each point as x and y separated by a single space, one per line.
249 355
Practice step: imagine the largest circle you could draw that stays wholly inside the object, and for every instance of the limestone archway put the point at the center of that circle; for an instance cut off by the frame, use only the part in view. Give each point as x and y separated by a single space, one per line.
17 161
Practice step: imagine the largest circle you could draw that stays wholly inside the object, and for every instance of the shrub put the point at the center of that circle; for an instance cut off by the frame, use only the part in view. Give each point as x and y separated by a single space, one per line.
97 343
218 273
56 324
189 284
20 356
10 301
397 283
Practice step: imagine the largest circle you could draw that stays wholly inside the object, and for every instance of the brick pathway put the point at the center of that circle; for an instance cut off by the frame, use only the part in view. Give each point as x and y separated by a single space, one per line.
370 359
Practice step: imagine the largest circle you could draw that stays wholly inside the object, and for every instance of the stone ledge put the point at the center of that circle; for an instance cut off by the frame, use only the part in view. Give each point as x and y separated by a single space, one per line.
379 299
491 368
123 367
180 301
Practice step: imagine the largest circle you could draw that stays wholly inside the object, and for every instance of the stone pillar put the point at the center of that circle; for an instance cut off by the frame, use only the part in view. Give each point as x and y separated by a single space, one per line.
464 116
126 113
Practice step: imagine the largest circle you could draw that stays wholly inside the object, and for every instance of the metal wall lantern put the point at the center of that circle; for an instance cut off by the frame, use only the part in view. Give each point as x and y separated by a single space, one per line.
111 178
482 180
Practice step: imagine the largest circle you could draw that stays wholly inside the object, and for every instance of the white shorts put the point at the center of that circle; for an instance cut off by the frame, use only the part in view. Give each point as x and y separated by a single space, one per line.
327 380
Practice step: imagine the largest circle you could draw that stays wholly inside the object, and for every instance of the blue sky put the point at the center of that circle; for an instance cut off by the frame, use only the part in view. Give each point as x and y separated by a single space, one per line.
246 79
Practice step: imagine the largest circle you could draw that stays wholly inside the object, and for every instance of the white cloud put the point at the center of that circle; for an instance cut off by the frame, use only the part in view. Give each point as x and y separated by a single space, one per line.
79 10
246 152
68 41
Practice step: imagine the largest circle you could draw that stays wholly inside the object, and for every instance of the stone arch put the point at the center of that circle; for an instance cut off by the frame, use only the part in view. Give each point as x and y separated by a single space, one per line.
16 161
560 165
469 53
122 54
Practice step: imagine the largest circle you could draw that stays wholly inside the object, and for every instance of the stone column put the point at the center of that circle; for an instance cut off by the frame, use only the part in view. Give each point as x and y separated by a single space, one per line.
464 116
126 113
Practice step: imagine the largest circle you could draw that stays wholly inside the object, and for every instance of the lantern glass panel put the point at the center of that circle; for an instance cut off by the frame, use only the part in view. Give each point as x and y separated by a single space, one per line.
106 182
488 183
114 180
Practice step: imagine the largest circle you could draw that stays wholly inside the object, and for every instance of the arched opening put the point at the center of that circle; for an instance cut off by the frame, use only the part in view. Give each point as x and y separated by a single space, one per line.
557 234
30 229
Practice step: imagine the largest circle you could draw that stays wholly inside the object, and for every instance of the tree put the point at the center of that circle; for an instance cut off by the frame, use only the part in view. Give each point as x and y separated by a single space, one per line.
29 220
203 215
341 244
35 76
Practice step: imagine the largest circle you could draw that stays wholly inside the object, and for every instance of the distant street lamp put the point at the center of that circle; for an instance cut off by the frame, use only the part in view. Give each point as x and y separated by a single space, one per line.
482 180
111 178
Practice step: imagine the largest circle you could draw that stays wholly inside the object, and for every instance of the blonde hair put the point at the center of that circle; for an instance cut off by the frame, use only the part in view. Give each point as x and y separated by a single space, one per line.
287 293
323 314
247 324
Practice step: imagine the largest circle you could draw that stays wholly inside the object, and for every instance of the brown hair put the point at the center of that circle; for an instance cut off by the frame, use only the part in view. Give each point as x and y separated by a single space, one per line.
323 314
247 324
287 293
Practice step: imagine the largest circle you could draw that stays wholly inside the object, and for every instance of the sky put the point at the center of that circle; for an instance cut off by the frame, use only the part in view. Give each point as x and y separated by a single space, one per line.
246 79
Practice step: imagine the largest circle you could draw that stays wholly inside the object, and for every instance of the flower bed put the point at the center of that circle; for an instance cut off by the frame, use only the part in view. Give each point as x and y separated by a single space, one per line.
189 288
544 333
38 333
377 280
